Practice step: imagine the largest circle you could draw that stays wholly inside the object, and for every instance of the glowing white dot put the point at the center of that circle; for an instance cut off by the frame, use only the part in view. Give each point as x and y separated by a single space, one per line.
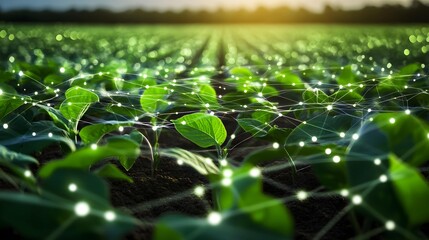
33 134
301 144
328 151
233 136
119 104
1 92
136 118
342 135
383 178
180 162
183 122
392 120
408 111
356 200
226 182
336 159
5 126
72 187
301 195
214 218
314 139
94 146
27 173
355 136
50 135
121 129
369 110
344 192
109 216
255 172
20 73
81 209
390 225
199 191
154 128
276 145
227 173
223 163
329 107
69 103
207 105
377 161
62 70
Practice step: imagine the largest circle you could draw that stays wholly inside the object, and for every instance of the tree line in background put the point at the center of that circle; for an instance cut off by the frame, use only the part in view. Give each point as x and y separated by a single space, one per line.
417 12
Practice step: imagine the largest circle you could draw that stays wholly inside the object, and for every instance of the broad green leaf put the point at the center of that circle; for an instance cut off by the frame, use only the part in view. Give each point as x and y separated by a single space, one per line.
202 129
85 157
290 81
56 116
241 72
9 100
27 137
153 99
93 133
111 171
347 76
16 158
202 164
398 80
180 227
246 196
201 96
412 190
17 165
39 216
254 127
263 116
407 136
76 104
344 95
325 128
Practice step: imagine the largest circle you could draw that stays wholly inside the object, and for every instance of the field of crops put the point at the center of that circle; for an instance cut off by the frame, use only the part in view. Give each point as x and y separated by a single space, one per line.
214 132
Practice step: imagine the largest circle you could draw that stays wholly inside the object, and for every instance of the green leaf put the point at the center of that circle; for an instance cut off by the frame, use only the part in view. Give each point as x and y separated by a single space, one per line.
19 136
202 129
93 133
412 190
246 196
9 100
56 116
290 81
325 128
16 158
203 165
246 215
241 72
398 80
180 227
198 97
39 216
85 157
254 127
407 136
347 76
111 171
76 104
153 99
